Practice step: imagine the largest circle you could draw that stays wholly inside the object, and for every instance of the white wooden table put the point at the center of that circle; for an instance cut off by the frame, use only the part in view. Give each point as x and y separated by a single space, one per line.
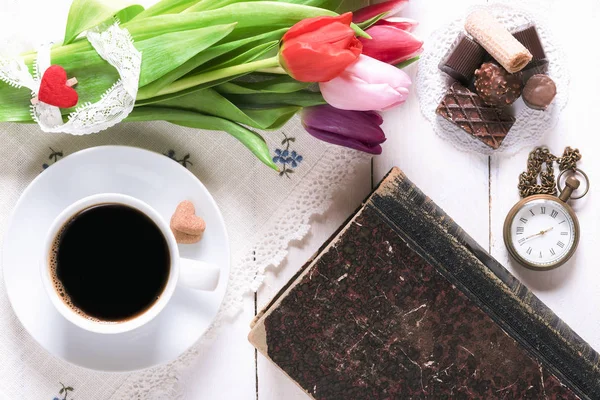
477 191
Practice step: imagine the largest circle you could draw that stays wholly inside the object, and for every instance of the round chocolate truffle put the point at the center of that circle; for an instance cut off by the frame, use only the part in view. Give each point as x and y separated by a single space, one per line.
539 92
496 86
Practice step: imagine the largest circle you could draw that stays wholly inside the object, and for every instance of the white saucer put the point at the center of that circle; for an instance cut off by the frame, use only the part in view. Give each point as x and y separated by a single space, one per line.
151 177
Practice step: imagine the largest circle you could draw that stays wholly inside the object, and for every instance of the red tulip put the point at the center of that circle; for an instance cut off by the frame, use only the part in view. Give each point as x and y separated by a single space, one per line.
390 7
390 44
319 49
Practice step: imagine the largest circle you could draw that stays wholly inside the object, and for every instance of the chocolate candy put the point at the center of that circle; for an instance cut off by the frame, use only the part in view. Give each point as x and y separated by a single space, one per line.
533 68
529 37
463 60
497 40
531 40
496 86
539 92
467 110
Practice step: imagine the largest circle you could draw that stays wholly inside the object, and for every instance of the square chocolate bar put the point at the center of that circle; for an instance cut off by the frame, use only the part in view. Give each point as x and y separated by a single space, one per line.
466 110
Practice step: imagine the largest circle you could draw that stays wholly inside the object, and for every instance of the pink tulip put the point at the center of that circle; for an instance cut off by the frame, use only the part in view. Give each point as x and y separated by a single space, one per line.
390 44
368 84
390 7
406 24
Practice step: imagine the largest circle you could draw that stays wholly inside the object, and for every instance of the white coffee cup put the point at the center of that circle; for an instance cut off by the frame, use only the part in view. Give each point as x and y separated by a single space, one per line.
194 274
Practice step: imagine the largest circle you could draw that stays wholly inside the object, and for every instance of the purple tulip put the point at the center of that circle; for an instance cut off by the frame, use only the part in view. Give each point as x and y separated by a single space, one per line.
358 130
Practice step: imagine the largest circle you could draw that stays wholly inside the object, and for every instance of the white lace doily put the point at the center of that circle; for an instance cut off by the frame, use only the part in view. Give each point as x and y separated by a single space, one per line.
530 125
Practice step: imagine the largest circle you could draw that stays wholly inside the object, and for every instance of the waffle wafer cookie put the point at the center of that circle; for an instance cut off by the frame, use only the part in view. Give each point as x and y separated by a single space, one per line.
498 41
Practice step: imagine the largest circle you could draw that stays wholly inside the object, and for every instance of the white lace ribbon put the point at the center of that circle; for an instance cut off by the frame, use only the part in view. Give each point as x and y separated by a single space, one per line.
114 45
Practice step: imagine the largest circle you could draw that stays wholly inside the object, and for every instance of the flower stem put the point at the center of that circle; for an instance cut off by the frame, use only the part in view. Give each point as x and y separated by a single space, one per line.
274 70
199 79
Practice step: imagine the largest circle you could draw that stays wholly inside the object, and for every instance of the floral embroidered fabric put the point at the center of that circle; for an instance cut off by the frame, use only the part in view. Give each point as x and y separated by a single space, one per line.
264 211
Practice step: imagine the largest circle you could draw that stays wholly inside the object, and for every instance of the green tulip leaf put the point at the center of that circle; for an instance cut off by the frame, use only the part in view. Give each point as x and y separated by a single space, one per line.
280 84
128 13
206 5
252 140
204 57
406 63
210 102
272 118
243 56
173 49
160 98
166 7
303 98
86 14
272 16
359 32
372 21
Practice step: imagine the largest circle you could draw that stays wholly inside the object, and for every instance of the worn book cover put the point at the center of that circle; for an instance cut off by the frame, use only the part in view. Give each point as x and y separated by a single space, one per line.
400 303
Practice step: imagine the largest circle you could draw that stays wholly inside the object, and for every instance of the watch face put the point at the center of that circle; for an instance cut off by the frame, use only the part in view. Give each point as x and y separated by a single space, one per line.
543 233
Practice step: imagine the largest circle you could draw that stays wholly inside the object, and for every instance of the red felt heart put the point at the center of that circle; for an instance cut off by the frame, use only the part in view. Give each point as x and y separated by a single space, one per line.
54 89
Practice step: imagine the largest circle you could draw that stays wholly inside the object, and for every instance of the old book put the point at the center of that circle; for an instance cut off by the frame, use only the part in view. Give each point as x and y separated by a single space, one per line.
400 303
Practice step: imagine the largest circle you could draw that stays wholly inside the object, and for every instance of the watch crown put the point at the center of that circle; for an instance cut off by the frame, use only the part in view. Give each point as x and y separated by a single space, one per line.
571 184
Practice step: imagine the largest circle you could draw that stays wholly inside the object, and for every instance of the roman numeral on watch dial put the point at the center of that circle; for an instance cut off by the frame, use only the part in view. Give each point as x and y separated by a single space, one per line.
560 244
554 214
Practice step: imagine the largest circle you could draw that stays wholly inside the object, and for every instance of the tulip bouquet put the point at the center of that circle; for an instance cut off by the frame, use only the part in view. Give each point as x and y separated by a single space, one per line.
236 66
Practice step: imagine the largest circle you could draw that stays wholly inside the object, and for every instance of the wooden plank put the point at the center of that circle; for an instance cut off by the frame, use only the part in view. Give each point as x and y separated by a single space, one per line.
455 180
572 291
226 367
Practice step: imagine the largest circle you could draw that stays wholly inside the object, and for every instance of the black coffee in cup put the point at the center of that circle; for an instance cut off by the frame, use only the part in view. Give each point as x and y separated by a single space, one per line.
110 263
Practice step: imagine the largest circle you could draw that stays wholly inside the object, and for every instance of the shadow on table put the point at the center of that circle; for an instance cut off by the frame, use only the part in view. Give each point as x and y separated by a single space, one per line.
545 280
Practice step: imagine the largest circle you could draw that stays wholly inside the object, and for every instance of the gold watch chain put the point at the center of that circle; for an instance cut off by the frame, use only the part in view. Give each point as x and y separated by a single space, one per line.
539 158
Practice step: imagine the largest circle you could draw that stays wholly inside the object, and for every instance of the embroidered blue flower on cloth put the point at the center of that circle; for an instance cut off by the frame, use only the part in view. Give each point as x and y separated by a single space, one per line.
285 157
289 159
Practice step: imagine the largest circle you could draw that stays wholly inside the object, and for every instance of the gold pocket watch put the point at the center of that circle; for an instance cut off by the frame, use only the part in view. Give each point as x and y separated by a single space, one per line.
541 231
